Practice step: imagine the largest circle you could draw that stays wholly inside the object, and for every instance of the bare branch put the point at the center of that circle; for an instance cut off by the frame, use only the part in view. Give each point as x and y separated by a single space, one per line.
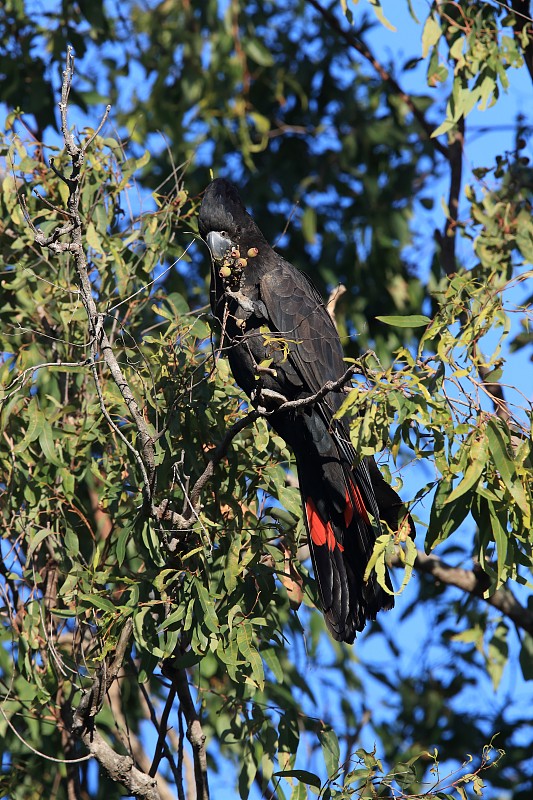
163 729
121 769
160 748
476 582
134 743
329 386
195 733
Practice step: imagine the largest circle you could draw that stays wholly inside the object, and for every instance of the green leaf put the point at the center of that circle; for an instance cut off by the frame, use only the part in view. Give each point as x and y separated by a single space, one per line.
257 51
122 543
250 653
505 465
99 602
187 660
446 126
206 601
408 321
330 749
46 440
497 654
478 451
36 420
272 661
378 11
498 526
71 543
445 517
430 35
93 238
309 225
302 775
526 656
36 541
288 736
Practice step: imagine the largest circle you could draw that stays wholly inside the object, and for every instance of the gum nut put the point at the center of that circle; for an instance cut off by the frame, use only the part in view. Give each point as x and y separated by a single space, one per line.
225 272
235 252
252 252
240 323
241 263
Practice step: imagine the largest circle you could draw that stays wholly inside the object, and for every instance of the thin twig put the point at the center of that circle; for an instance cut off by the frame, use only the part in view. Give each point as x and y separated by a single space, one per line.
161 739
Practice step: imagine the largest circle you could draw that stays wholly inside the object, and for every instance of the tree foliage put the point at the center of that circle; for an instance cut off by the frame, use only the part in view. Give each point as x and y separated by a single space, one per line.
155 573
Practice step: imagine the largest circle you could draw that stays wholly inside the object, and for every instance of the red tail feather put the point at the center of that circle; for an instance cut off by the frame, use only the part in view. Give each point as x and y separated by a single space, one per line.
321 532
355 503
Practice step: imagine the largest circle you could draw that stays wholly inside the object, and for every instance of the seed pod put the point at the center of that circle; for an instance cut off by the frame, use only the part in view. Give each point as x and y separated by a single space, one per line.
225 272
235 252
241 263
252 252
241 323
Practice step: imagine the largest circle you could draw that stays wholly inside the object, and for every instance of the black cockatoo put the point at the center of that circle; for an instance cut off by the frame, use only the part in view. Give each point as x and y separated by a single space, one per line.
279 337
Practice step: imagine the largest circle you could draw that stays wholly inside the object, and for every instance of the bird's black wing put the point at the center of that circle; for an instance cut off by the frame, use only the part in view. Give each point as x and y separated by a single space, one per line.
297 311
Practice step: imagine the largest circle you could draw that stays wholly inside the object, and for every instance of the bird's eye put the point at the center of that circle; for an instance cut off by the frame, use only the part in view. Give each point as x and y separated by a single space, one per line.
224 234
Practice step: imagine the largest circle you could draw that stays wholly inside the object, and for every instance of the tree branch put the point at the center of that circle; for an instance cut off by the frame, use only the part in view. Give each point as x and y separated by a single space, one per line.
476 582
383 73
448 239
121 769
195 733
135 745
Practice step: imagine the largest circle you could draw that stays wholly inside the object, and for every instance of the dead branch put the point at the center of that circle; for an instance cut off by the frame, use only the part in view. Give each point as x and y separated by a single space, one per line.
333 299
99 341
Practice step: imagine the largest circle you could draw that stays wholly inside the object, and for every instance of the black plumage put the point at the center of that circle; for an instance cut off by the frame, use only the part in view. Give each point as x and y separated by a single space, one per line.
280 338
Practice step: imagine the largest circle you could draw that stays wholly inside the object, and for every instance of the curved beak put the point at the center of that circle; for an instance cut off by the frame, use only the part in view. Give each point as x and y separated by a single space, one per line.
220 246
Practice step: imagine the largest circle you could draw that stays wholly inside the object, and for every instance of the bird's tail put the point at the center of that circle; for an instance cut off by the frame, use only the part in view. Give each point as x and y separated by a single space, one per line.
342 520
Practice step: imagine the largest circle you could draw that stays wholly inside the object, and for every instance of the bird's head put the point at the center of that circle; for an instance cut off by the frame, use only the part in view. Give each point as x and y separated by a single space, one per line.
225 224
